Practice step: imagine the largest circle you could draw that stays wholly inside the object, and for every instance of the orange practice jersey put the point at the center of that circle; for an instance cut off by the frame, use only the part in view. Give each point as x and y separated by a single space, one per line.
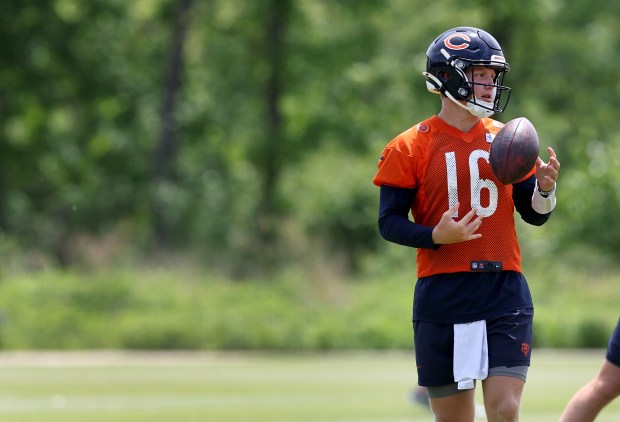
445 166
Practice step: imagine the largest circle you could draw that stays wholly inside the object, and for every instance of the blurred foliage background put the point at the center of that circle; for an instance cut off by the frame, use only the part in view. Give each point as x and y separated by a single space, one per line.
240 138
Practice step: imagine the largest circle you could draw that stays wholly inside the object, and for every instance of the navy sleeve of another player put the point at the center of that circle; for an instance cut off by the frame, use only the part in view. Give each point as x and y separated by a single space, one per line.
394 223
522 197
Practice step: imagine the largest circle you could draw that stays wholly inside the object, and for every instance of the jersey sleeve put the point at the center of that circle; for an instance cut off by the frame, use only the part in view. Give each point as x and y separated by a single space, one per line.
399 165
395 169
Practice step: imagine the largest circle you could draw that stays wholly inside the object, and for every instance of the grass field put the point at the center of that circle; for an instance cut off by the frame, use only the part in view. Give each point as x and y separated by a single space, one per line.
239 387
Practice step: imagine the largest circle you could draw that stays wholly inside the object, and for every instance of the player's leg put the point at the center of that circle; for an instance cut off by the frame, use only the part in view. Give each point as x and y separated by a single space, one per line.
586 404
502 398
452 405
434 348
509 342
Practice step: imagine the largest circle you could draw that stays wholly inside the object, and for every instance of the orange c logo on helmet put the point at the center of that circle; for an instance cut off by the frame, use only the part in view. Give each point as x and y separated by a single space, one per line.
464 44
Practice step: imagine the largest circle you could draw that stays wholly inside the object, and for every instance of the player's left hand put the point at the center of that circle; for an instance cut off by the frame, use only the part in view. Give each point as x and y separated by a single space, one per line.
547 173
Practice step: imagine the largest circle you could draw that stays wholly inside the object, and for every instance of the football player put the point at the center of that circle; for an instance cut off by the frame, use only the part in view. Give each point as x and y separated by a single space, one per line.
472 308
587 403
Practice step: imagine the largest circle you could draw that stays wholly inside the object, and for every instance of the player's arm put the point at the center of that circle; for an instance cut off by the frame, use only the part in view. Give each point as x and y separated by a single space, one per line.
395 226
394 223
523 195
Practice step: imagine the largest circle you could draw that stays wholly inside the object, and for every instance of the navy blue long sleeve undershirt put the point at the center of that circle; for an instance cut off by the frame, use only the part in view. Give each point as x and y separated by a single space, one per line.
395 204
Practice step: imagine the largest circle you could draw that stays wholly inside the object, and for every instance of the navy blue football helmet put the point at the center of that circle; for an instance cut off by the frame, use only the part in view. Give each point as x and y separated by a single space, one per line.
454 51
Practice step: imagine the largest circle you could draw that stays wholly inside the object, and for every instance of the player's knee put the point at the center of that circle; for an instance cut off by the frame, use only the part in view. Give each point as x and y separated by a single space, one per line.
506 410
609 388
608 382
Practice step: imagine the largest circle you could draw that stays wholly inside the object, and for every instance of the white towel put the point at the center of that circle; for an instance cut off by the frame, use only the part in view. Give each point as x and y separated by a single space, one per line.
471 358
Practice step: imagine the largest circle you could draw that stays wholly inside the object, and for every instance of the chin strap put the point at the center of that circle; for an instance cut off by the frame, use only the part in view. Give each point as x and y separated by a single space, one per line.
478 108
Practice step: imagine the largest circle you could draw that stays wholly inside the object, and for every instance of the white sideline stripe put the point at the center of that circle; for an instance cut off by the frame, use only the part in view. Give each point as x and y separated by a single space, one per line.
104 358
96 403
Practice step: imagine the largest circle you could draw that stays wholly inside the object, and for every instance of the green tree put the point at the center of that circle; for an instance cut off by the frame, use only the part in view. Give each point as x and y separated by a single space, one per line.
248 132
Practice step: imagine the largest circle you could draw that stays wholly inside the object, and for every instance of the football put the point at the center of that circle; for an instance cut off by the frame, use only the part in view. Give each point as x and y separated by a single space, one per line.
514 150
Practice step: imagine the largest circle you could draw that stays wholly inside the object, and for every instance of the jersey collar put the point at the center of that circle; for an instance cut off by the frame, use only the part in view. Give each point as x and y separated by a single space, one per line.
465 136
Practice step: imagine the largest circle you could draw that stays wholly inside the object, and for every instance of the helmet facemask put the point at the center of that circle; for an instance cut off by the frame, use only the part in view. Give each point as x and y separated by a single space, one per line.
458 87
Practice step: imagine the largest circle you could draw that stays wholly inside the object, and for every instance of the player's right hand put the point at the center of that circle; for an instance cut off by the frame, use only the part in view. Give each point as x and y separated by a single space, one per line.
450 231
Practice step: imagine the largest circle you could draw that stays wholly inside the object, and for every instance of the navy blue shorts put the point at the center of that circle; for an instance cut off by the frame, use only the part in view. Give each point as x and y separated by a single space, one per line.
613 349
509 339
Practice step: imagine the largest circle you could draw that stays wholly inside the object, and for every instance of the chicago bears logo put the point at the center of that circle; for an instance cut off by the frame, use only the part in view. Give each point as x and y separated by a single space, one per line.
463 44
525 348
